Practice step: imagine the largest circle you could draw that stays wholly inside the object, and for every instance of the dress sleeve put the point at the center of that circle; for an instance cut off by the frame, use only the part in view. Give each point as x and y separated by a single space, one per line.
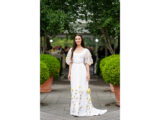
68 57
88 58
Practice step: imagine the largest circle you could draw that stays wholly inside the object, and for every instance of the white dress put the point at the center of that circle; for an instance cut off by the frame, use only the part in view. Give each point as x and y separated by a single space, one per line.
81 103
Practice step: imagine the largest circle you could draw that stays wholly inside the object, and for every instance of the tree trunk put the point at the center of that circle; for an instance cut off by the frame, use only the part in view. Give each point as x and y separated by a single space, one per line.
41 44
118 49
44 43
42 49
107 41
48 45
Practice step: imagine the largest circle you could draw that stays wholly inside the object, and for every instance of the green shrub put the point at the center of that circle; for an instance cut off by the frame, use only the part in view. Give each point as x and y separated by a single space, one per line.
44 72
102 64
110 69
52 63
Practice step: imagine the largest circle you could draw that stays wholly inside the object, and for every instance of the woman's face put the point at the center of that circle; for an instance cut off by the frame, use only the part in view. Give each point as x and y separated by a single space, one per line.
78 40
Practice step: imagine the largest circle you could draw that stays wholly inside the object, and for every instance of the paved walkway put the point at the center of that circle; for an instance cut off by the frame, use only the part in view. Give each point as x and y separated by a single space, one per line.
56 104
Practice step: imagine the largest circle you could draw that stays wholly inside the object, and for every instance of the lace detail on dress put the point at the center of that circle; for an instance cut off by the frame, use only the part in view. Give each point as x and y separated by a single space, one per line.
78 57
68 57
88 57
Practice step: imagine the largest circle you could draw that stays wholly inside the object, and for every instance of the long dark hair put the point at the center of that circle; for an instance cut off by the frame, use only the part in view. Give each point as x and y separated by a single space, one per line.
75 45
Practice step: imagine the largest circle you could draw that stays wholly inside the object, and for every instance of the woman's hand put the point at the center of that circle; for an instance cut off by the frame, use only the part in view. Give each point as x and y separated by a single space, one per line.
69 76
88 76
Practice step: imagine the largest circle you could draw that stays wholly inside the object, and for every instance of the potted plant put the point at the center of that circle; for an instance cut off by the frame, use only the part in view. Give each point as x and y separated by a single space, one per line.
111 74
101 65
111 87
53 65
44 76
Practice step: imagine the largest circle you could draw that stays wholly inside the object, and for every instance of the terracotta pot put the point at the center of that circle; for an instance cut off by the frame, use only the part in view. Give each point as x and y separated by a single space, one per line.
47 85
117 94
111 87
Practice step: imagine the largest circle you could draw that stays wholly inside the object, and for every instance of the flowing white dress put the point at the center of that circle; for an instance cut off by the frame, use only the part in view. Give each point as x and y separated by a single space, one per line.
81 103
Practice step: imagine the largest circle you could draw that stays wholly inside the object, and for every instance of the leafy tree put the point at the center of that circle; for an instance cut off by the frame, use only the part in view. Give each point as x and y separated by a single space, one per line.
55 18
104 17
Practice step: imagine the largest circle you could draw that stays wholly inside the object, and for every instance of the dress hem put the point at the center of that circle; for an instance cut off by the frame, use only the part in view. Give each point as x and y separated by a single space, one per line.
89 114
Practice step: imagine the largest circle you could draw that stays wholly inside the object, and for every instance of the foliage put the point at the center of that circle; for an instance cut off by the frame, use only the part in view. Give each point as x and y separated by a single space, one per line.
62 41
55 16
104 14
68 42
59 17
52 63
44 72
103 20
110 69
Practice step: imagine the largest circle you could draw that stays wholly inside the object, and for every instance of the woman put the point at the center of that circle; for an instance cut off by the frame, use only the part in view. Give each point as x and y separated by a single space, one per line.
79 58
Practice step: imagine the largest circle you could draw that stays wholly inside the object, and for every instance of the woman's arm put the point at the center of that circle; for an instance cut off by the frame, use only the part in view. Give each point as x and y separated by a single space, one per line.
69 73
88 61
88 72
70 66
